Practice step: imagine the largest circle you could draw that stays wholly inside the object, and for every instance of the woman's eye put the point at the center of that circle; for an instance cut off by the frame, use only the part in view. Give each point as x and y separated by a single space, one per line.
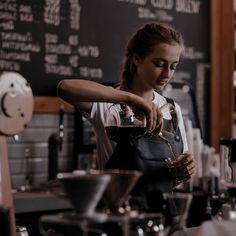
159 64
173 67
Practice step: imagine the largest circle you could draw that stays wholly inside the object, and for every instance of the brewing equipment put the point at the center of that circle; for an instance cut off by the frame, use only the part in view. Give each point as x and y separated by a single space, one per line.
119 210
117 191
99 205
16 108
84 190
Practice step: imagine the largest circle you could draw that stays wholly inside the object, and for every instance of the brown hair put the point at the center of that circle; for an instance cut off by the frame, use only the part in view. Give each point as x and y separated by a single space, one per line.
143 42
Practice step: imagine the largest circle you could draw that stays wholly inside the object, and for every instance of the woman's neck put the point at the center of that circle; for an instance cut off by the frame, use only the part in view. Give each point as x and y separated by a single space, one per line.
146 94
141 89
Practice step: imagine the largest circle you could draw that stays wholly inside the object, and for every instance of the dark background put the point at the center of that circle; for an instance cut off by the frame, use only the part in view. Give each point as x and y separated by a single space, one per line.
99 37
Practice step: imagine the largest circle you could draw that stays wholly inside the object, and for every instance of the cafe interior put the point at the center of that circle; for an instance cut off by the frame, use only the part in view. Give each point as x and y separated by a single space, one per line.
50 184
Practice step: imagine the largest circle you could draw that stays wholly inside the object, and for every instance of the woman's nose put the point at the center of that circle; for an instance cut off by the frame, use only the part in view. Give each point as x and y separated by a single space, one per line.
166 72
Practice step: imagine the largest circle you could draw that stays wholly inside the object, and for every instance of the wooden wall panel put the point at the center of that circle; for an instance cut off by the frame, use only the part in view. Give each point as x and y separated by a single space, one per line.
50 105
222 67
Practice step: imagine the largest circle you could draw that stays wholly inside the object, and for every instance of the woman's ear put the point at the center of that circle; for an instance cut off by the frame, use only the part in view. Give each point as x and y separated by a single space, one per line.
136 59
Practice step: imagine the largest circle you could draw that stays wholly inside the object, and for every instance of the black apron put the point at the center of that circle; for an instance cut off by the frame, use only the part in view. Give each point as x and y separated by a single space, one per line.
146 153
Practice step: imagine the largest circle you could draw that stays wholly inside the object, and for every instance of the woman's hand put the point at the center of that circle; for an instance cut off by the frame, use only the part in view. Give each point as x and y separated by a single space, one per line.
184 167
154 117
154 120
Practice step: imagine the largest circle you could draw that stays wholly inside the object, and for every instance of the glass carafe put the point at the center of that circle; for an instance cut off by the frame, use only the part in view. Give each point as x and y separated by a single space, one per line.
122 119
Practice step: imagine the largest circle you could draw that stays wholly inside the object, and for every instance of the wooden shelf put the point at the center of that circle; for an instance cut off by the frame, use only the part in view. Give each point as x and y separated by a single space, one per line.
50 105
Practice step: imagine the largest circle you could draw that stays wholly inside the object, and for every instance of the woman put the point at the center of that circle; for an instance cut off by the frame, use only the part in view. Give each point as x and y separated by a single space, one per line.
152 55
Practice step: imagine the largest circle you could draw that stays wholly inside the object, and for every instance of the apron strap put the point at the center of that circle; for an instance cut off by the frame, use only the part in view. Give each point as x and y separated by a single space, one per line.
173 114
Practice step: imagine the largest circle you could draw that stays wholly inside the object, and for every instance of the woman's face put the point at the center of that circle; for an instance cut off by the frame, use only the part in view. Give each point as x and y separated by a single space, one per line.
157 68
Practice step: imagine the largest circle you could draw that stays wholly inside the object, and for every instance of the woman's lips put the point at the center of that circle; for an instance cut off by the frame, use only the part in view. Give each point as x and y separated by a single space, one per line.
161 82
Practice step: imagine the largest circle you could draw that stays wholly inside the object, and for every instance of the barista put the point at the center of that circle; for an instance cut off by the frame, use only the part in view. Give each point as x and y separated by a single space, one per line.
151 58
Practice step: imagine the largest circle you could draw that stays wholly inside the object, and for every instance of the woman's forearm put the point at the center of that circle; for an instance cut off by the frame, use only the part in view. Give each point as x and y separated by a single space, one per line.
74 91
82 93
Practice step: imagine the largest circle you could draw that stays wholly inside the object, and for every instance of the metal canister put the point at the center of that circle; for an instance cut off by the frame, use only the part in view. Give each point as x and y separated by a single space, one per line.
228 161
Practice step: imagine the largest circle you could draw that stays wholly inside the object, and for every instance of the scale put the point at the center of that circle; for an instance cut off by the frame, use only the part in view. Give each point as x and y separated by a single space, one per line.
16 108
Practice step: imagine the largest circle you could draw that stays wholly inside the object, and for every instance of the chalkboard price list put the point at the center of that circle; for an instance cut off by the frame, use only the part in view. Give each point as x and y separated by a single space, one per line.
49 40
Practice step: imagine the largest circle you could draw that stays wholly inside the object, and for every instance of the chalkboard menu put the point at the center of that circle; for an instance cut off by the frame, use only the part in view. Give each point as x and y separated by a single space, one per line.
49 40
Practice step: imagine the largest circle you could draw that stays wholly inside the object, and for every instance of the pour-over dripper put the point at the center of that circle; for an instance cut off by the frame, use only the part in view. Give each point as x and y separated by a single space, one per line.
121 184
84 190
178 205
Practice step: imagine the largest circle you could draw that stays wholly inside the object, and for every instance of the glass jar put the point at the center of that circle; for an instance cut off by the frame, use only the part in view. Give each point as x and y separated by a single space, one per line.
228 162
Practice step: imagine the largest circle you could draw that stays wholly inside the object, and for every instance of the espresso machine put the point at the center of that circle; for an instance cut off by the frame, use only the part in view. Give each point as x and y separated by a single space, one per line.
16 108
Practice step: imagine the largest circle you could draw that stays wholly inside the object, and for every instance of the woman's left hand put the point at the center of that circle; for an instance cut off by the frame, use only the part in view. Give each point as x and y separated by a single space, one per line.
184 167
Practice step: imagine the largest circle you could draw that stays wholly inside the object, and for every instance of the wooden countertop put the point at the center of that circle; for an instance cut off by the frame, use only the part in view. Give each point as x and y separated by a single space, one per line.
25 202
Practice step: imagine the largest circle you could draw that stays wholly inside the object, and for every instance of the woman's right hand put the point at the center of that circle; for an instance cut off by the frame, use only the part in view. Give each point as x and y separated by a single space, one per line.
154 120
154 117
